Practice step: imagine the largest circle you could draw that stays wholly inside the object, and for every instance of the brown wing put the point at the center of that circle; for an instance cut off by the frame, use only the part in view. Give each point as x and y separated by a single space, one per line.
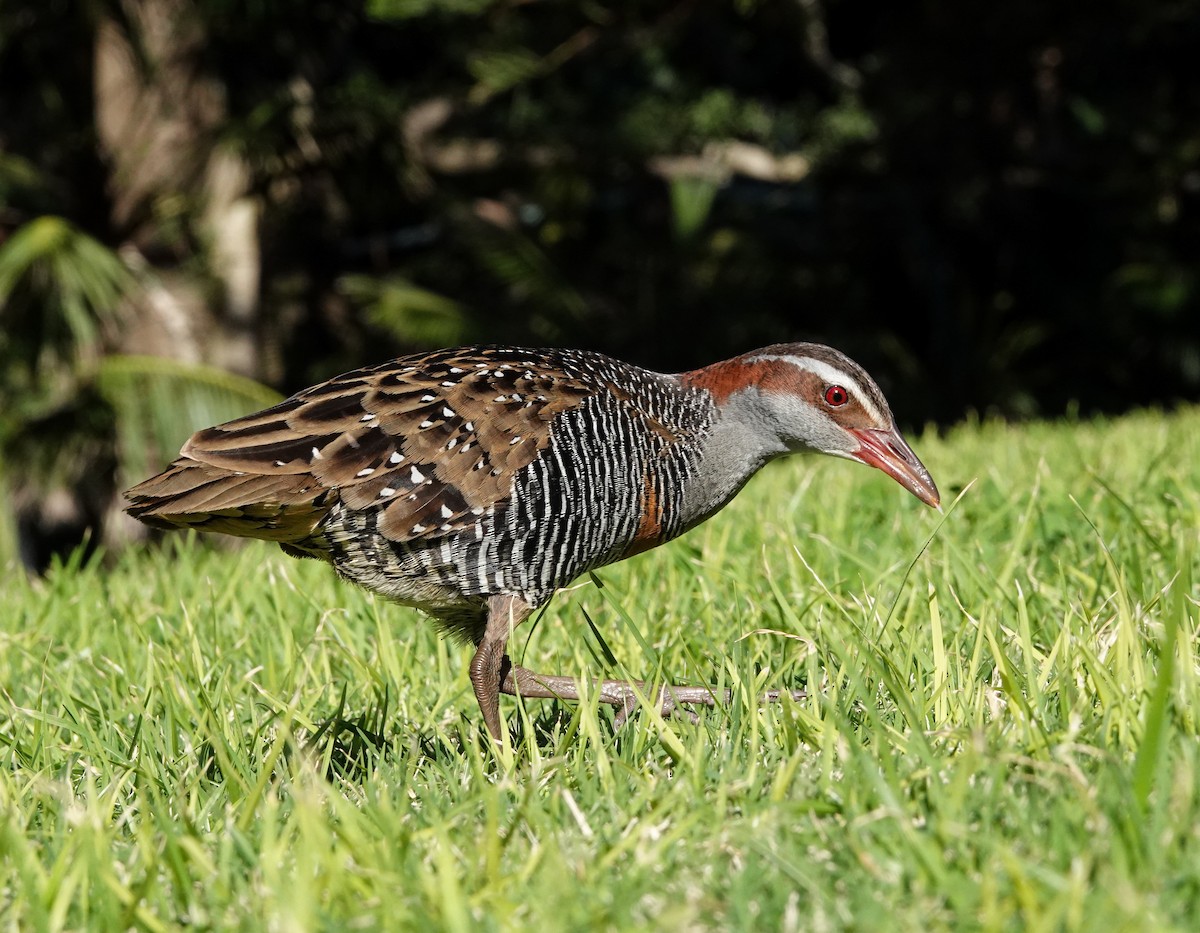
432 442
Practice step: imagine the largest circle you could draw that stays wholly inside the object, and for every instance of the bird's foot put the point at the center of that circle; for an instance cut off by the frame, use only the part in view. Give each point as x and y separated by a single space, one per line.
520 681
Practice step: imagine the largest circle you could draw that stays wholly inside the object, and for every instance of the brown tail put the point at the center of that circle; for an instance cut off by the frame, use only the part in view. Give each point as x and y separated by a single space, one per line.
190 494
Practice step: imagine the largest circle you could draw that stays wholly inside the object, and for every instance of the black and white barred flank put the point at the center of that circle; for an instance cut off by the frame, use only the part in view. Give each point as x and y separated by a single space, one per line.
603 488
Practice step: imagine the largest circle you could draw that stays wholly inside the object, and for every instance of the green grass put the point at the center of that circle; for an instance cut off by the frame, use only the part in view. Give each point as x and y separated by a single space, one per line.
1000 733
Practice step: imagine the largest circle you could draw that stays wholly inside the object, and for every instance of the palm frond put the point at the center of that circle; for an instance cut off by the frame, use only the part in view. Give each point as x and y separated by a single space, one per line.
58 288
411 314
159 403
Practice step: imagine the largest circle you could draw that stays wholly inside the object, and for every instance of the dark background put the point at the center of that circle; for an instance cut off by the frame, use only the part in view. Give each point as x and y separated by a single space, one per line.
993 206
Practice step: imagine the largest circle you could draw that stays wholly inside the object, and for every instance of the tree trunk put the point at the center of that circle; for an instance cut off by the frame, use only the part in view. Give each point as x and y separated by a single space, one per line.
158 117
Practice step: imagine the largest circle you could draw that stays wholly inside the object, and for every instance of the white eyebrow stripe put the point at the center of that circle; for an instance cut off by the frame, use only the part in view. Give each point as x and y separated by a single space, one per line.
831 375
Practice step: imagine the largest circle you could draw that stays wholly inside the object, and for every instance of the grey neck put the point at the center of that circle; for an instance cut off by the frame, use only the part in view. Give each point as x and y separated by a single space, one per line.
743 438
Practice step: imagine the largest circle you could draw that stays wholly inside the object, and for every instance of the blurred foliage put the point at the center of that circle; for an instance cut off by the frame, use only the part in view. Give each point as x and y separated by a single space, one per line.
994 207
407 313
58 288
157 402
72 418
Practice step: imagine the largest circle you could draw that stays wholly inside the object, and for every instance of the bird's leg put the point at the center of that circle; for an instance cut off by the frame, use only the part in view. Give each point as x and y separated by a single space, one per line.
504 614
520 681
493 673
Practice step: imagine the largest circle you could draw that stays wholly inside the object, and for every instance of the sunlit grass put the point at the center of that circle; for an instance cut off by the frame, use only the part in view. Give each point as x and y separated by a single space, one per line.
1000 729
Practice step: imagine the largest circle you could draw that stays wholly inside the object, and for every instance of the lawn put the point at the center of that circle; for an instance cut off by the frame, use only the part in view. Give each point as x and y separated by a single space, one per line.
1000 731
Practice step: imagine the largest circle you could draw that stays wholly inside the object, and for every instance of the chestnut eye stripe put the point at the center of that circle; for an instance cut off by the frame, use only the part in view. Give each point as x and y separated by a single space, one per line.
831 375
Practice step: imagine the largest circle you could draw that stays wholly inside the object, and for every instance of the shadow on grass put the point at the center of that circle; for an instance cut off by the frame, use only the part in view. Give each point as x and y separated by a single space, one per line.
348 747
351 746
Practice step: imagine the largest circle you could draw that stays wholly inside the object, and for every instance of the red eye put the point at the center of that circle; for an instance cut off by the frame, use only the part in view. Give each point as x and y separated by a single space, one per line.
836 396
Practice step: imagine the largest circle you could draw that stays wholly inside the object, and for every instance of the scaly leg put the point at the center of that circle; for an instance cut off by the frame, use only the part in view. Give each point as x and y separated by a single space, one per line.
520 681
504 614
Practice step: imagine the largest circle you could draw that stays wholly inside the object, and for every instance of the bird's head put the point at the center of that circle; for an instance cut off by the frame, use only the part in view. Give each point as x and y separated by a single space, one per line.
812 397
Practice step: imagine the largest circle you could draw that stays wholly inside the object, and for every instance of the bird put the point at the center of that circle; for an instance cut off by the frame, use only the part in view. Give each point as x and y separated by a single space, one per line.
474 482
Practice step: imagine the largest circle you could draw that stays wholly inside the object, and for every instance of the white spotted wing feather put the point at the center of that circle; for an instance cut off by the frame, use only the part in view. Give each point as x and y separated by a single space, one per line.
430 442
